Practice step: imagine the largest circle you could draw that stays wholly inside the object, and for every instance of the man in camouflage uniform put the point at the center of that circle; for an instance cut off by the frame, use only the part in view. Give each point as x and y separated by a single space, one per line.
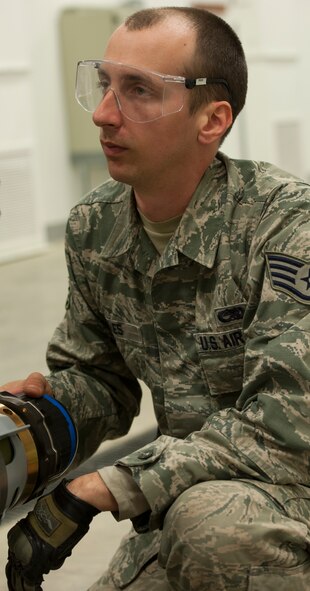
191 272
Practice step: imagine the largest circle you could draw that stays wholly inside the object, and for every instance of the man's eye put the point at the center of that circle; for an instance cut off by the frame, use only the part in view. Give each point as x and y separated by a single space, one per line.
141 90
103 85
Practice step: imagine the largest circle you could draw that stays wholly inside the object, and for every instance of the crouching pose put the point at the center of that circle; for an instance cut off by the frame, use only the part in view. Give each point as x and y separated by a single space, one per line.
189 271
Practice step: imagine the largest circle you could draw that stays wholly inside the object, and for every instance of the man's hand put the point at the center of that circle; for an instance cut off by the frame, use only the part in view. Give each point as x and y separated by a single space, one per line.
34 385
45 538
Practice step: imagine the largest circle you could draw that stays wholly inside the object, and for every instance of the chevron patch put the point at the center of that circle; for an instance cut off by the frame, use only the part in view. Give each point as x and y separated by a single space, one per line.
289 275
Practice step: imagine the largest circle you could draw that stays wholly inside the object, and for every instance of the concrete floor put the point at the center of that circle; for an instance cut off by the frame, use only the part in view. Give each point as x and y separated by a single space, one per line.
32 297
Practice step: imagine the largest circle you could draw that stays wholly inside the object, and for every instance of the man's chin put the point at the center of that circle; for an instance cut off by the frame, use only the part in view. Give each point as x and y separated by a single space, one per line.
122 176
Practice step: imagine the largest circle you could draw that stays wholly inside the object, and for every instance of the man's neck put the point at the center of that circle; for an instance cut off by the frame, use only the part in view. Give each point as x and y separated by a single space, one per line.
160 207
164 200
162 203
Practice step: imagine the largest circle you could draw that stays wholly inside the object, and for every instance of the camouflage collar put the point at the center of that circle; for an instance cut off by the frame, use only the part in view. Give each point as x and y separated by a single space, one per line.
197 236
199 232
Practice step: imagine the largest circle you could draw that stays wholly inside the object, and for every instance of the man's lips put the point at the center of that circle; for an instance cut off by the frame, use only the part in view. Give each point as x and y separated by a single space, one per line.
111 148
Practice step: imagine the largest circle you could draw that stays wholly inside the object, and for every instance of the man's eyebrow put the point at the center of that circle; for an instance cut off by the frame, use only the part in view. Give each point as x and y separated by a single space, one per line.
127 76
130 77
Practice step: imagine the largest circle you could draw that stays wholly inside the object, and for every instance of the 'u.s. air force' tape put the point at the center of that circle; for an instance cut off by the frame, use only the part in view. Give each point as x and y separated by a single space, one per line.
290 275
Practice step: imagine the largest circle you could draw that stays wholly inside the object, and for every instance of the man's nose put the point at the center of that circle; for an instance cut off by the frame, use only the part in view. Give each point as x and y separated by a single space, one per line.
108 112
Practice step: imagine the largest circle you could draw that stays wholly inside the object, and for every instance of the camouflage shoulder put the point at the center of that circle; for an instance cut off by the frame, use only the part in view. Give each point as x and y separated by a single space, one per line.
260 181
95 215
110 191
250 167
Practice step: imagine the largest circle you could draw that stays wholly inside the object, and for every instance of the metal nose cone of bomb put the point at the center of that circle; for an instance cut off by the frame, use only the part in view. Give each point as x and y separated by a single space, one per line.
38 442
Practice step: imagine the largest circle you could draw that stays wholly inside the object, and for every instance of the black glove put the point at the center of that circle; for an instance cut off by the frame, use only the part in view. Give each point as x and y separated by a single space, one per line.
45 538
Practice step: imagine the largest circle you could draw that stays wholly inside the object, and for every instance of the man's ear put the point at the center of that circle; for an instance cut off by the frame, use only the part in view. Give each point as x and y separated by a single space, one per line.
214 121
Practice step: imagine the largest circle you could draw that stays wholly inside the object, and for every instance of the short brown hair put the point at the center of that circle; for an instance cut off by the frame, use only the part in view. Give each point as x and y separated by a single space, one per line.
218 54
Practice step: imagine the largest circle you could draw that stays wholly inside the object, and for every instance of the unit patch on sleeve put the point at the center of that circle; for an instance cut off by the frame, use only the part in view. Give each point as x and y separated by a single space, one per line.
289 275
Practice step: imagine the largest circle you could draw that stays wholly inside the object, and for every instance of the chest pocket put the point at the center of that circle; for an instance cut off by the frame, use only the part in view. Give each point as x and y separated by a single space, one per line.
222 359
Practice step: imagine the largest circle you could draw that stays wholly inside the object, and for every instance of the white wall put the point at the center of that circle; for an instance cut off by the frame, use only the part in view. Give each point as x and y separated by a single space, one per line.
33 129
21 227
276 43
38 184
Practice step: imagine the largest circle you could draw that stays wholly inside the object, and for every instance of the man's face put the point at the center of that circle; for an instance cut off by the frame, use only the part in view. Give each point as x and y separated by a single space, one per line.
141 154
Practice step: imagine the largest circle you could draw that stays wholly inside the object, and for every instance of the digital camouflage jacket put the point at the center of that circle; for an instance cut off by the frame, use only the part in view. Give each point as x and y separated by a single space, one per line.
217 327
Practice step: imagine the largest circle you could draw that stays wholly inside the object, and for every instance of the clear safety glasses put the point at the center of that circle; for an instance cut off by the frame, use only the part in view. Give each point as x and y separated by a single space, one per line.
141 95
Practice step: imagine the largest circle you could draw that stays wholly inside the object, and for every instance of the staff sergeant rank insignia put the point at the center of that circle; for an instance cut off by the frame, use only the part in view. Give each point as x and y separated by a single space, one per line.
289 275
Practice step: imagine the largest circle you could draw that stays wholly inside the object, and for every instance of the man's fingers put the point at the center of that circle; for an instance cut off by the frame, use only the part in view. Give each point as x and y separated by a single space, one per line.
34 385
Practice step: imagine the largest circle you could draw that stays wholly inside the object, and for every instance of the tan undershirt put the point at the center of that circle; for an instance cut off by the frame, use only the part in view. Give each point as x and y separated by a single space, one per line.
160 232
130 499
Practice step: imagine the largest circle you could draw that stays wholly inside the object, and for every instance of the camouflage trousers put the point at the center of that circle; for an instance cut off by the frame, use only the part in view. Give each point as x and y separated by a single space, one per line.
225 536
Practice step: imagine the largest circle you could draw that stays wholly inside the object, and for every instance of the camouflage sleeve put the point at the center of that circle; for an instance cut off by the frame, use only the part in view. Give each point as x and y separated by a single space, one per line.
266 435
88 374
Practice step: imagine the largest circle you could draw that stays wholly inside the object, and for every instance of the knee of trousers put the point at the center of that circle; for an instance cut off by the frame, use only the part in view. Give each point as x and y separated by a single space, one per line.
226 522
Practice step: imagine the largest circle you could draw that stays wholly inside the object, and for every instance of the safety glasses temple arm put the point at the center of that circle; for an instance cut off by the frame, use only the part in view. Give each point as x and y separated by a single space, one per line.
191 83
